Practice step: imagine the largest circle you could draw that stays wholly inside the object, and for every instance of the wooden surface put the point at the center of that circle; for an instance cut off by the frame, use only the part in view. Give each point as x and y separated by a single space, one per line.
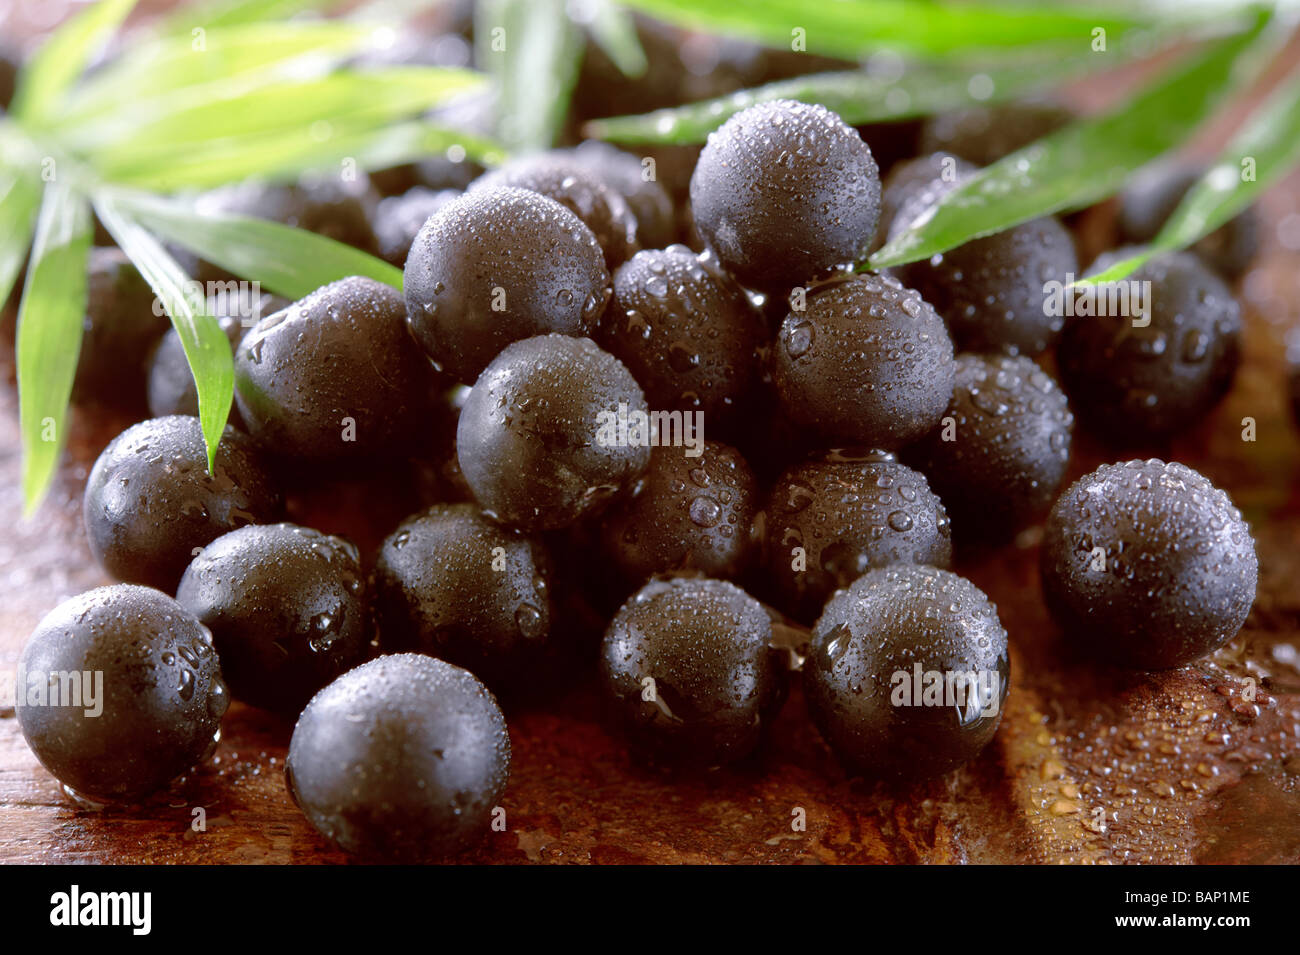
1090 764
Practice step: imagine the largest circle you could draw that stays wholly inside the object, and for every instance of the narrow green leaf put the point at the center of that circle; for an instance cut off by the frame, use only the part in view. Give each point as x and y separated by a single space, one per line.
285 156
49 334
162 66
224 13
615 32
56 66
206 347
1086 161
1270 142
20 197
245 108
858 96
531 49
850 28
290 262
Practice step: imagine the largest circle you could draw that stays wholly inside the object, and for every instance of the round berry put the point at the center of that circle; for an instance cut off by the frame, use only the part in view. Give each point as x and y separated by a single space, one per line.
689 669
171 382
455 585
150 502
985 134
561 177
633 179
907 672
398 219
548 432
334 376
287 609
496 266
119 692
1148 565
784 191
120 328
401 760
686 331
1133 378
990 290
865 362
832 519
686 513
1000 452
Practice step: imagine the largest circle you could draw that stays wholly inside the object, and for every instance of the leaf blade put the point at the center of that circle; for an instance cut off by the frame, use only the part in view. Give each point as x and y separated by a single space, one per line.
850 28
857 96
1271 137
287 261
207 350
20 198
1083 162
49 334
58 63
531 49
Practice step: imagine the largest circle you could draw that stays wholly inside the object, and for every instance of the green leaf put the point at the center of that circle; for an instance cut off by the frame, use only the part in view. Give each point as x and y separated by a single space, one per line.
850 28
285 156
206 347
224 13
1270 140
615 32
56 66
20 197
163 66
532 50
244 108
290 262
1086 161
49 333
858 96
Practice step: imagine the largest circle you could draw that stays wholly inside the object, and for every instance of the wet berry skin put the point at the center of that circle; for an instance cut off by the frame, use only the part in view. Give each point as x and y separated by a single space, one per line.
171 383
860 674
626 174
150 501
398 219
1147 565
831 519
865 362
496 266
686 331
689 672
984 134
451 583
334 376
990 290
287 609
400 760
1000 452
159 687
533 440
686 513
119 330
784 191
559 176
1151 198
1131 384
